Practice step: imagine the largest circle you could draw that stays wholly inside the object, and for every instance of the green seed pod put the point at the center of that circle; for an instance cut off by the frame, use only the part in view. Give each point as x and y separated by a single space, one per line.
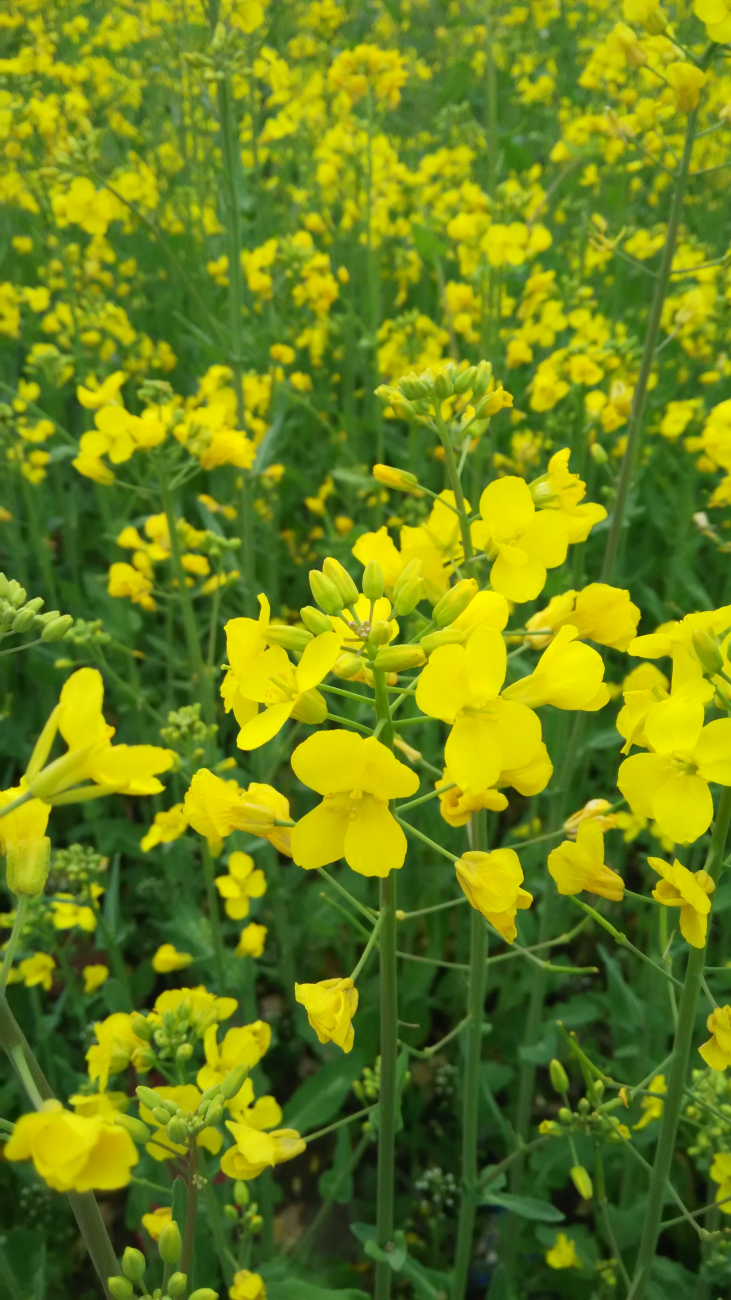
340 577
482 378
409 596
138 1131
169 1243
292 638
133 1264
559 1077
581 1179
414 569
464 381
372 584
455 601
120 1288
177 1130
446 636
399 658
177 1285
706 648
24 620
347 666
325 593
315 621
57 628
380 633
234 1081
149 1097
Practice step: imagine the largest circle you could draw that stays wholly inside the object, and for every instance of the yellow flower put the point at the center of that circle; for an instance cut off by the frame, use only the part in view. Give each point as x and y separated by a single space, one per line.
598 612
490 735
243 1046
215 808
357 778
649 13
721 1173
562 1253
676 639
66 913
671 784
251 940
457 806
717 1051
716 14
100 1105
686 80
241 884
642 689
157 1220
201 1008
492 883
652 1107
568 675
108 391
254 1151
594 810
33 971
187 1097
559 489
580 865
167 826
126 580
116 1045
247 1286
24 842
167 958
94 977
330 1006
73 1153
689 891
245 641
522 542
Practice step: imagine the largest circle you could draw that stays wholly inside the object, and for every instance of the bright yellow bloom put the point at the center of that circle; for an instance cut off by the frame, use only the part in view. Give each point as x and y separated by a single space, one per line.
578 866
34 971
717 1051
215 808
594 810
251 940
253 1151
156 1220
492 883
676 639
559 489
330 1006
356 778
242 883
187 1097
24 842
167 826
108 391
652 1107
245 641
116 1045
126 580
562 1253
721 1173
671 784
367 67
490 735
457 806
598 612
522 542
243 1046
649 13
689 891
201 1007
167 959
100 1105
94 977
716 14
643 688
568 675
247 1286
686 80
285 691
66 914
73 1153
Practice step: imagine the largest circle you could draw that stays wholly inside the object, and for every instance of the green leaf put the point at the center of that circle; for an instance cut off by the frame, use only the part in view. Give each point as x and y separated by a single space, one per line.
427 244
527 1207
320 1097
395 1258
291 1289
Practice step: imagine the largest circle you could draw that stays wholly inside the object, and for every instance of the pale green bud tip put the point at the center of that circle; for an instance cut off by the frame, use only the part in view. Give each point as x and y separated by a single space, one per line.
177 1285
169 1243
148 1097
347 665
446 636
133 1264
401 480
409 596
380 633
399 658
314 620
373 583
559 1077
292 638
57 629
120 1288
455 601
138 1131
707 650
242 1195
234 1081
177 1130
414 569
214 1115
581 1179
340 577
598 454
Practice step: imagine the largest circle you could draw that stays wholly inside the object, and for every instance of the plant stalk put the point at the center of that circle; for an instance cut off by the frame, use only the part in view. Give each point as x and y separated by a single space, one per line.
197 663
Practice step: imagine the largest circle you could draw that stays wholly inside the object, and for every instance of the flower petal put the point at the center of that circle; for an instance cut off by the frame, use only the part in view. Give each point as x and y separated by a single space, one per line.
317 660
330 761
265 725
319 836
374 842
713 751
486 662
442 689
682 807
473 752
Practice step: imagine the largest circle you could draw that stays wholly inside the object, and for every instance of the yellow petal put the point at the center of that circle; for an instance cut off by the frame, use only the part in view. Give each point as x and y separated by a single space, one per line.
674 725
265 725
640 777
547 538
486 662
519 730
383 775
518 582
682 807
374 842
507 506
442 689
319 836
712 754
80 718
317 660
473 752
330 761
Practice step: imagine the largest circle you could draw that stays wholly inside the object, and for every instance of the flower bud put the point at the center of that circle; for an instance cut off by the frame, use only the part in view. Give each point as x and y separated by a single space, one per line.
707 650
491 403
380 633
184 1052
443 385
138 1131
559 1077
413 387
119 1288
340 577
177 1285
203 1293
177 1131
292 638
16 594
414 569
598 454
315 621
24 620
26 865
401 480
57 628
4 586
133 1264
565 1116
409 596
464 381
234 1081
347 666
142 1028
402 407
372 584
481 382
241 1193
209 1094
399 658
310 708
581 1179
446 636
325 593
455 601
214 1114
161 1115
169 1243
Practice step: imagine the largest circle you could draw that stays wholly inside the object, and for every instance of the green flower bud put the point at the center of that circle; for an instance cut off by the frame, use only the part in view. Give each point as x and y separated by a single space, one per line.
242 1196
347 666
446 636
464 381
380 633
584 1106
161 1115
481 382
231 1213
4 585
581 1179
171 1106
443 385
412 386
209 1094
409 596
234 1081
559 1077
315 621
403 407
325 593
138 1131
455 601
338 575
203 1293
372 583
184 1052
35 604
177 1285
177 1130
169 1243
214 1114
57 629
598 454
142 1028
414 569
120 1288
565 1116
292 638
399 658
133 1264
16 594
400 480
707 650
24 620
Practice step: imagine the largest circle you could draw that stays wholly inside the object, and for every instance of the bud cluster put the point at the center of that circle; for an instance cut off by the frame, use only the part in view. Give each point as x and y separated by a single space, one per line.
175 1284
187 733
420 397
180 1126
18 614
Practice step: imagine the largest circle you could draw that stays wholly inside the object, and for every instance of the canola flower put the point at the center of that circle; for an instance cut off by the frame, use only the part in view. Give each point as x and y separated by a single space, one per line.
72 1152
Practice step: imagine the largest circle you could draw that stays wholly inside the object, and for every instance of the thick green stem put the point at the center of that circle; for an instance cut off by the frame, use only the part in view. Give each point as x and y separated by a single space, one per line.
83 1204
471 1082
678 1072
634 427
214 919
191 1213
195 652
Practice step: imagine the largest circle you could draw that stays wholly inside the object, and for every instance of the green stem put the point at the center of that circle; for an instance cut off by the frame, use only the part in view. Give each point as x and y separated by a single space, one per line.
115 956
456 485
623 941
339 1123
13 941
367 950
186 1256
471 1080
213 915
200 672
673 1099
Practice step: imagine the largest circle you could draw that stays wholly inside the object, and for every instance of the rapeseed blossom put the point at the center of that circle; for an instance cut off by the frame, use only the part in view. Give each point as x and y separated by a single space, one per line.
254 1151
284 690
167 959
71 1152
215 808
688 890
251 940
242 883
187 1098
717 1051
245 1045
492 883
579 865
247 1286
330 1006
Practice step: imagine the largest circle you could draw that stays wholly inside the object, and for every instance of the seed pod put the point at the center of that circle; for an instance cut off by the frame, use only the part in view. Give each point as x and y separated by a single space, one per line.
119 1288
446 636
148 1097
315 621
57 628
559 1077
340 577
409 596
169 1243
707 650
292 638
380 633
133 1264
234 1081
138 1131
372 584
455 601
399 658
581 1179
325 593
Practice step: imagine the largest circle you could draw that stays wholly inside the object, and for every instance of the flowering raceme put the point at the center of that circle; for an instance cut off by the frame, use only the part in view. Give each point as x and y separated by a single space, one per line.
187 1097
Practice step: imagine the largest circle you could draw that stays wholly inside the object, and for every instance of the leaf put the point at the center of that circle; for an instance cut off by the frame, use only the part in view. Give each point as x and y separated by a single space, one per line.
395 1258
527 1207
291 1288
335 1178
320 1097
427 1282
426 243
